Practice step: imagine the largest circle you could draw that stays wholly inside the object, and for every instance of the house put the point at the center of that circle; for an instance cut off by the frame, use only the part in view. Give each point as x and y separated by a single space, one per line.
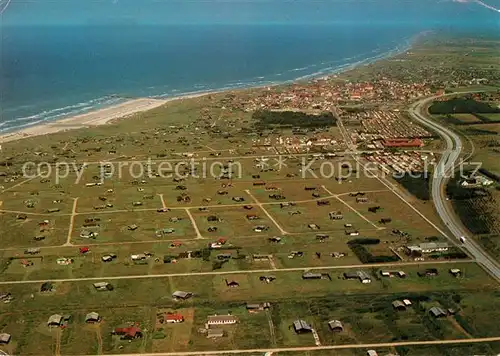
267 279
428 247
47 287
55 320
130 333
335 215
224 256
174 318
232 284
83 250
138 257
252 217
133 227
437 312
256 307
322 237
260 228
108 258
335 325
213 218
371 353
275 239
301 327
362 276
429 272
262 257
311 275
21 216
103 286
361 200
399 305
322 202
222 319
181 295
238 199
407 302
399 274
313 226
455 272
92 317
4 338
213 333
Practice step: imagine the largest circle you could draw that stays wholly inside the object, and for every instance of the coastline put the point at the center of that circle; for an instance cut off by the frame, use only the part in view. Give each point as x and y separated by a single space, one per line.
128 108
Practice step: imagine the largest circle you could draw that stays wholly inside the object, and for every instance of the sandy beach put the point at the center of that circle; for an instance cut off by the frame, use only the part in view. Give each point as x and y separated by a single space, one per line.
93 118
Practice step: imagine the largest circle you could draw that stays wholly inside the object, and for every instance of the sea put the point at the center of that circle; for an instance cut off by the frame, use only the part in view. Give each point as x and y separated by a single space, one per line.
52 72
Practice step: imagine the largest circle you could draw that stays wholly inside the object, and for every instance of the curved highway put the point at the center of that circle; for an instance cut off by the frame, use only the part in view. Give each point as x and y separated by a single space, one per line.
444 168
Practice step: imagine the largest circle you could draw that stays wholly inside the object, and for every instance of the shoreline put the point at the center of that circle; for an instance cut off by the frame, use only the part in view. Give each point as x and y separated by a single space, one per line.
130 107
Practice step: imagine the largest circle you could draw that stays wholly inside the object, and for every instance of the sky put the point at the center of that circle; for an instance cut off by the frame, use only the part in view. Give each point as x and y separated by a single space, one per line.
77 12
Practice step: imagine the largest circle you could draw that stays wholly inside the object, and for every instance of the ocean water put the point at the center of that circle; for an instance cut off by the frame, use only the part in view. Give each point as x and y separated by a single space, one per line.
50 72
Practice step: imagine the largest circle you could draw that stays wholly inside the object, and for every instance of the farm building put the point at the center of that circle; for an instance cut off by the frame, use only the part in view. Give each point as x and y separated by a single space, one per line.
222 319
301 327
55 320
92 317
455 272
335 325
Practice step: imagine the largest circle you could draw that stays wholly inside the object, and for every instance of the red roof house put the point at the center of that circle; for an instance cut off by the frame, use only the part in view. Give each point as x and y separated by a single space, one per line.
174 318
403 142
84 250
132 332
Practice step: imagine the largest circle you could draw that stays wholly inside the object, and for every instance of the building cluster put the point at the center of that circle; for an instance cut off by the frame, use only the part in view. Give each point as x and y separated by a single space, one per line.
324 93
403 161
384 129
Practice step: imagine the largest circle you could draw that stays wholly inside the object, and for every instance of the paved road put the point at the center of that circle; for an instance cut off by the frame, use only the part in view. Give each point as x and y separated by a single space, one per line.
324 347
267 270
449 159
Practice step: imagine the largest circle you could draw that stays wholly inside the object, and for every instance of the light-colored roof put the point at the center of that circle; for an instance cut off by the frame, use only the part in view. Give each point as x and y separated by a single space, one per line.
433 245
180 294
398 303
335 324
215 318
100 284
55 319
92 316
4 337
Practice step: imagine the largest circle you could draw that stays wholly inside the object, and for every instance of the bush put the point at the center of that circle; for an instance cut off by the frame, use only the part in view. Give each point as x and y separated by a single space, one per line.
364 241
